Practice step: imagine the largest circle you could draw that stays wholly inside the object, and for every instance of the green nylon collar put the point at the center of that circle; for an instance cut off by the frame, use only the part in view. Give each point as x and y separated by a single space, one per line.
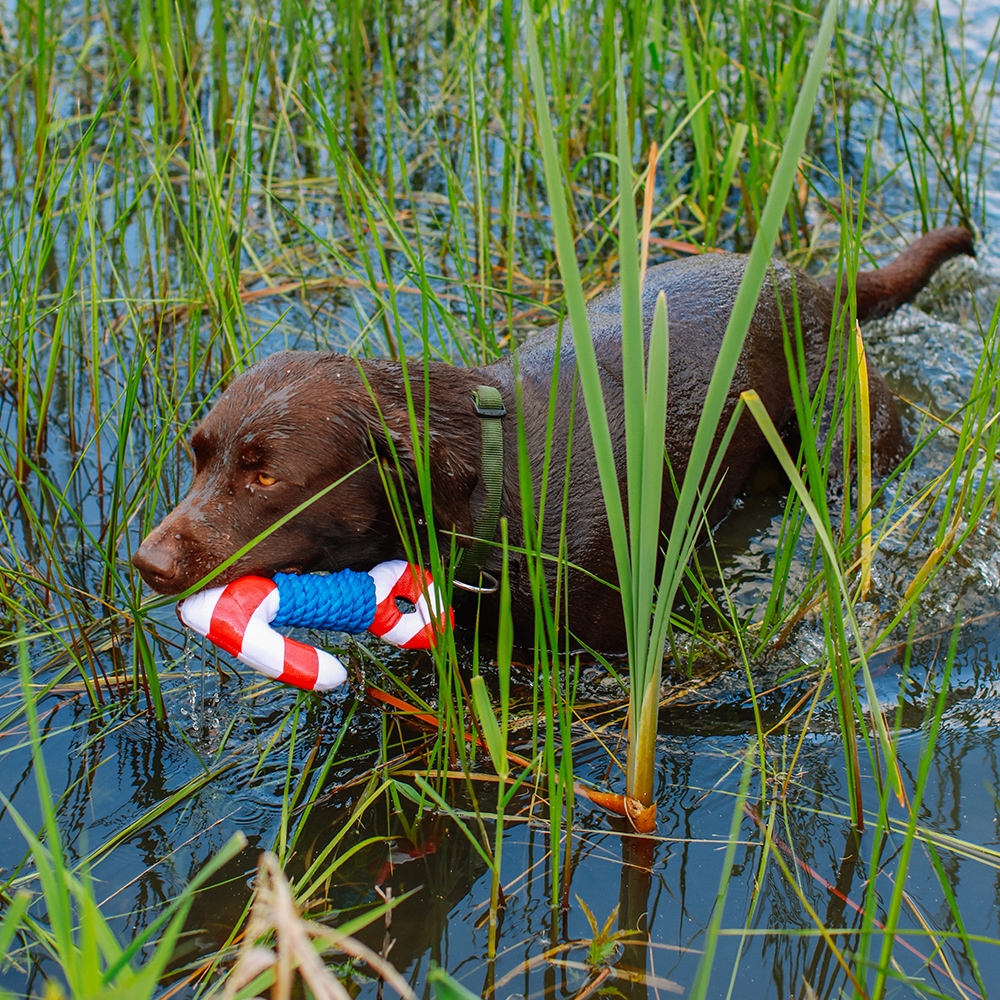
489 406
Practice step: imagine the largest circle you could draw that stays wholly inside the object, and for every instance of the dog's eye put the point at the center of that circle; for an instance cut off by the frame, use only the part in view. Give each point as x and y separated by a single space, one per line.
265 480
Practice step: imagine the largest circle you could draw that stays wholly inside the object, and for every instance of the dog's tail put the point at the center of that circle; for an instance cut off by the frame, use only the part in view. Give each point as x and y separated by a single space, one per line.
882 291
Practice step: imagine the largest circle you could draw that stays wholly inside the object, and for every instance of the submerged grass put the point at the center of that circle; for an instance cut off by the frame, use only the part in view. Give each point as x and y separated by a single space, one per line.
187 186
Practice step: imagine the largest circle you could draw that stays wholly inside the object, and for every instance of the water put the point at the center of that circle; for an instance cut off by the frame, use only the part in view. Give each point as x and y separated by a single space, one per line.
229 759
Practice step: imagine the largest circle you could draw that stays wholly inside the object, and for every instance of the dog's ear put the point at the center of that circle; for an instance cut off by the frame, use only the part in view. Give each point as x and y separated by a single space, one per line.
452 477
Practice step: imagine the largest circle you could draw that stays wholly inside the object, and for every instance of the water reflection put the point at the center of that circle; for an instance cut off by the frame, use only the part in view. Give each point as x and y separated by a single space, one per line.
665 886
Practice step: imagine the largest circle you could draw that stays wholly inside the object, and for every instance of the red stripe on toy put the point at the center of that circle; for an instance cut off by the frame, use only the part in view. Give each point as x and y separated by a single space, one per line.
386 612
301 666
233 611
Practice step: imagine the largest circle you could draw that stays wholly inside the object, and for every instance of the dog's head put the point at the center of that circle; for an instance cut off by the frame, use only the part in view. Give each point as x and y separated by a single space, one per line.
303 428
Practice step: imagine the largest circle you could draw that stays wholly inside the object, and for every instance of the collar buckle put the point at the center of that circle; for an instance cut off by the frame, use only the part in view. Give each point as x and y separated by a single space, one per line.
488 404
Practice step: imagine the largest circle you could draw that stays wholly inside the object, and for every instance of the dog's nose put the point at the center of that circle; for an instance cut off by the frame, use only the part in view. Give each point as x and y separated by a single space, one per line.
156 562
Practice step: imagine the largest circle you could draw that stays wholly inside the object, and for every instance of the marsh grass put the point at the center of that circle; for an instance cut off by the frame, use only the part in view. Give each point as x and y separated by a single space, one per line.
73 932
187 186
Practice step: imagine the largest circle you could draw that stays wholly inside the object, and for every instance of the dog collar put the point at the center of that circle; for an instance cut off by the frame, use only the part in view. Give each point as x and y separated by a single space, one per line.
469 568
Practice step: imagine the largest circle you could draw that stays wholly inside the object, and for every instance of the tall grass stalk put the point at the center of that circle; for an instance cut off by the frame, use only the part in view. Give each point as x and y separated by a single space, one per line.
637 549
553 666
882 964
699 988
846 689
495 734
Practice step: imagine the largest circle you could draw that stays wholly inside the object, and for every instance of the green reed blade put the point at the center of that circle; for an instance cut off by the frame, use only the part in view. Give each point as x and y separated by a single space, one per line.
699 988
576 307
691 503
770 432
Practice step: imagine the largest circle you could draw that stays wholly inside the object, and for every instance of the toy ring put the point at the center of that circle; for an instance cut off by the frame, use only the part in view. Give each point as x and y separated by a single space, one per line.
396 601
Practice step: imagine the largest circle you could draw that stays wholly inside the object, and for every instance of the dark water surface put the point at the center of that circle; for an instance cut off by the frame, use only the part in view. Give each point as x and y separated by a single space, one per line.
233 742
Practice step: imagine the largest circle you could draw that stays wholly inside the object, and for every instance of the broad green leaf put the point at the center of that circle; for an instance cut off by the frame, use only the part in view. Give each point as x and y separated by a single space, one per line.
488 725
446 988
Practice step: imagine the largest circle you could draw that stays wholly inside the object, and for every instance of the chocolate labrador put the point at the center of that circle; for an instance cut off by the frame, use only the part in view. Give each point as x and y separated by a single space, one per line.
298 421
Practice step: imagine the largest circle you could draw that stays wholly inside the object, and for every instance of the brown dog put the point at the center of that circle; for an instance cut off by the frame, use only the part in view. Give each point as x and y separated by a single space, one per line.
299 421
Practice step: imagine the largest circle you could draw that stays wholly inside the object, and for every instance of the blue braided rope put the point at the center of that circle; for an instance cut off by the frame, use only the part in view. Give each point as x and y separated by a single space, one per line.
341 602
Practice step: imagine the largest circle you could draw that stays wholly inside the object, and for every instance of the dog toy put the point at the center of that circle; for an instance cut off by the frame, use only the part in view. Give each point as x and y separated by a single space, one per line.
396 601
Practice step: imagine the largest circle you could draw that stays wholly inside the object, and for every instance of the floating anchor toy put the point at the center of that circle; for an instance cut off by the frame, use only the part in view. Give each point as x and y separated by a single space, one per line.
396 601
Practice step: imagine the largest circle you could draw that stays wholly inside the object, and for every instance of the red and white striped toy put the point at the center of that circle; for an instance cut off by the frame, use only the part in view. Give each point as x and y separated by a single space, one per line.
238 617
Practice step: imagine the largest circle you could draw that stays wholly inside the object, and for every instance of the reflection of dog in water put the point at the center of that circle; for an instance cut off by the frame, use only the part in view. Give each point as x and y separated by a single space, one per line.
440 865
401 852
